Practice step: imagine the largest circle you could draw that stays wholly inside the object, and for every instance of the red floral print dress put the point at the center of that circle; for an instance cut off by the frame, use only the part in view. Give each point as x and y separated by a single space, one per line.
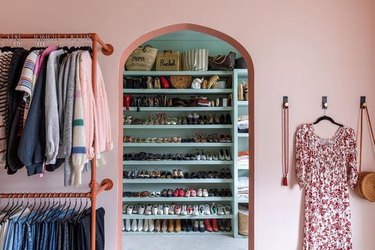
326 168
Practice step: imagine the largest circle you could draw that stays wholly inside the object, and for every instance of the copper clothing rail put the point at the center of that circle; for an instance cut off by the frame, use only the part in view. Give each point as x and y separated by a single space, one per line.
95 189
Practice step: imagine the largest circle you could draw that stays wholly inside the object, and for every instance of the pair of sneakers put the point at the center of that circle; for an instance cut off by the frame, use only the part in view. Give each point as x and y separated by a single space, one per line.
139 225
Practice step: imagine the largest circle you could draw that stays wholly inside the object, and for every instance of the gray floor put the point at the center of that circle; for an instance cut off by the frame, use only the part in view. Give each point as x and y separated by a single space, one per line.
183 242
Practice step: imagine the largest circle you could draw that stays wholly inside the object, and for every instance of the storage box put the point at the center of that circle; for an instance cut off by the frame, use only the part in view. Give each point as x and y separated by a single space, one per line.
195 60
168 60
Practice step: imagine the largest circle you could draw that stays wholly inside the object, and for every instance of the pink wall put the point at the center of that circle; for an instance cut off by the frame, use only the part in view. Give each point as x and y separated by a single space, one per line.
299 48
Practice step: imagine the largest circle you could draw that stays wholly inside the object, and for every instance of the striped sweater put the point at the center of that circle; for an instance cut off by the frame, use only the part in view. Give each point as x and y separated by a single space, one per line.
79 141
5 59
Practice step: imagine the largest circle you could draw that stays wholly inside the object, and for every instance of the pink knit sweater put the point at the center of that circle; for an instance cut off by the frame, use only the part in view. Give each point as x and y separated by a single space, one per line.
96 112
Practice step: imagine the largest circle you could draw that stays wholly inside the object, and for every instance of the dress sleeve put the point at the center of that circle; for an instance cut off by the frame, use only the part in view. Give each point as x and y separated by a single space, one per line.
351 158
301 156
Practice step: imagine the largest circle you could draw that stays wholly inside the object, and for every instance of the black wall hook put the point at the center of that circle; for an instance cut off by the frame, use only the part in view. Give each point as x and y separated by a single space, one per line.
324 102
285 102
362 101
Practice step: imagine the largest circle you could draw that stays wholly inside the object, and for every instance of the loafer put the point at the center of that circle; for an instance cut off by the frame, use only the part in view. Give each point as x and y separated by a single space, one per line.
170 226
157 226
140 225
164 226
177 227
151 226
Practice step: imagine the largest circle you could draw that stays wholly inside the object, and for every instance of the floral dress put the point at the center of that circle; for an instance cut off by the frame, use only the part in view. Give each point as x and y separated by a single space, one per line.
326 168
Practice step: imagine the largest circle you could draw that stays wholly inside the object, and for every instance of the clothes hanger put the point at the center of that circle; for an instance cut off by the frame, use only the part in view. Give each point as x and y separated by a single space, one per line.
324 117
83 210
327 118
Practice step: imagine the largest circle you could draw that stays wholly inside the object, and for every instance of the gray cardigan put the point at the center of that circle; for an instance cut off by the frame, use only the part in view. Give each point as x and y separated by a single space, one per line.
51 107
68 118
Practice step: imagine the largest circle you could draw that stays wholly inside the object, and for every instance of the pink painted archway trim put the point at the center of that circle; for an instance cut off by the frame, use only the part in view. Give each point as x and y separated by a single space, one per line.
250 67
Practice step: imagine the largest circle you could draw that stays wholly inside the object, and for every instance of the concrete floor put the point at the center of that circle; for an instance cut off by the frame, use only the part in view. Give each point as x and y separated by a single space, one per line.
183 242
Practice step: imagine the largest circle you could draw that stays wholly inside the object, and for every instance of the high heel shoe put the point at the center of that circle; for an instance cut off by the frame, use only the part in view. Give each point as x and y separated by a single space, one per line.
227 155
221 155
157 83
149 82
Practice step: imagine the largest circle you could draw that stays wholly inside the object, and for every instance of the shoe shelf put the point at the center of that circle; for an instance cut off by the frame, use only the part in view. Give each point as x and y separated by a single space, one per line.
244 135
166 181
242 200
182 145
177 91
243 168
242 103
186 131
171 162
177 109
179 233
182 217
211 126
177 73
181 199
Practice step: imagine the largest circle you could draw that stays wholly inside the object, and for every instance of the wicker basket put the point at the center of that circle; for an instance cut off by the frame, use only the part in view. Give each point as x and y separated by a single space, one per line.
181 82
141 59
168 60
243 222
365 187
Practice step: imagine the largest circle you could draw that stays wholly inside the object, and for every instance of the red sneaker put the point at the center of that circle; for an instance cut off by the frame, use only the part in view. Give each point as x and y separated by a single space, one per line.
215 228
176 192
181 193
207 225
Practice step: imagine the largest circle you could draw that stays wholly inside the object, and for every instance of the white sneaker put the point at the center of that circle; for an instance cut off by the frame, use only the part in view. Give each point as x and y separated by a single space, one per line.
151 227
134 225
183 210
127 225
140 225
124 207
155 209
145 226
148 210
166 209
196 210
160 210
207 209
123 225
141 209
129 209
201 209
171 209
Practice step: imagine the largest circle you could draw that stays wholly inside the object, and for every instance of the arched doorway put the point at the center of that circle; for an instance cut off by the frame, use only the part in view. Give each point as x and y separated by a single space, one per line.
250 69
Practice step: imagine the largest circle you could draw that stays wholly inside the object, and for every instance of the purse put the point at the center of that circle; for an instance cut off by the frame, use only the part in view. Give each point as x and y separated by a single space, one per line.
165 84
142 58
222 62
366 180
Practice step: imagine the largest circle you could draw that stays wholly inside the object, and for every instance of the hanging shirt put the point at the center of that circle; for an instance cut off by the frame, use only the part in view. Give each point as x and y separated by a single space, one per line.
5 59
51 104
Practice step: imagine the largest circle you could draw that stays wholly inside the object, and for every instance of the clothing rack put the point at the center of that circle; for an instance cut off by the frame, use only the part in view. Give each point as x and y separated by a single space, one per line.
95 189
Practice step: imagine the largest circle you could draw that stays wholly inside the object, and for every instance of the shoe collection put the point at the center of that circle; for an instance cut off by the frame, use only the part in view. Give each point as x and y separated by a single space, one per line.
177 139
200 155
180 192
177 209
191 118
177 174
149 225
165 101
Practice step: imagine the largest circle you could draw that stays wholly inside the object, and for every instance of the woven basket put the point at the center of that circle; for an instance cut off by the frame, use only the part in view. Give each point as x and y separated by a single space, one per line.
141 59
365 187
243 223
181 82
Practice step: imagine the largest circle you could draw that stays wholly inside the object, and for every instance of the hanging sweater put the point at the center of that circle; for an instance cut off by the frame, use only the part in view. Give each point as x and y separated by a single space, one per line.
68 119
26 82
5 59
104 136
79 143
14 111
51 106
32 143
